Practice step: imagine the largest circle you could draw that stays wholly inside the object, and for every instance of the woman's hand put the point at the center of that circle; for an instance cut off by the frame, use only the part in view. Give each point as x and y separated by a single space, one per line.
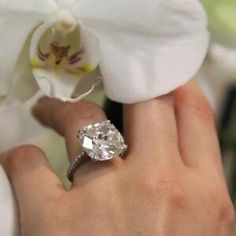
170 183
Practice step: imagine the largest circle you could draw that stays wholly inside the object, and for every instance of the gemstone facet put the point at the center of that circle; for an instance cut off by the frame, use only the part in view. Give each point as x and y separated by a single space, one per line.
102 141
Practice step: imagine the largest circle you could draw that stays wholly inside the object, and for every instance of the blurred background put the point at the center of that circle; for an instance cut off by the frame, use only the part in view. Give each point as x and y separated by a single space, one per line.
219 73
217 78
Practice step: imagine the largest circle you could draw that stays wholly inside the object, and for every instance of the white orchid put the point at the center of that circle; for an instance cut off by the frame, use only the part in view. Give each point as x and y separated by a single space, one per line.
142 48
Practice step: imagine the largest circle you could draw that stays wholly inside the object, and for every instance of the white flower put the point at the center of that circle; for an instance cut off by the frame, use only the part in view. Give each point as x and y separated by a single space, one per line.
143 48
9 222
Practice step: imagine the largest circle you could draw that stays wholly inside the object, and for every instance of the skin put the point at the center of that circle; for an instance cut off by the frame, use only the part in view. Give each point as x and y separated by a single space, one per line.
169 183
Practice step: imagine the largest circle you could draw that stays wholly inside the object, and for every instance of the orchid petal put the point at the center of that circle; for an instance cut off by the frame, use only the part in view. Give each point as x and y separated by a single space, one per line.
9 225
23 86
147 48
17 21
28 6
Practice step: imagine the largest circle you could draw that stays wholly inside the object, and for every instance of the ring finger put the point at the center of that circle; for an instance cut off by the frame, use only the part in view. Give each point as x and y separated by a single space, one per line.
67 119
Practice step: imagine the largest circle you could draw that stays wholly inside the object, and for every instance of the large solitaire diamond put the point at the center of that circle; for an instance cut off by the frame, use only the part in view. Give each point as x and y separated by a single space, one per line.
102 141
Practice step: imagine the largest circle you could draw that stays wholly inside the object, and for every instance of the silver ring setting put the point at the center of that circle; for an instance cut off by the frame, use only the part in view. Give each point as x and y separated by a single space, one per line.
100 142
78 161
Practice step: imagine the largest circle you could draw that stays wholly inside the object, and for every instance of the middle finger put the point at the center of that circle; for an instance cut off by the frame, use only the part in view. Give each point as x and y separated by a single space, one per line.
151 131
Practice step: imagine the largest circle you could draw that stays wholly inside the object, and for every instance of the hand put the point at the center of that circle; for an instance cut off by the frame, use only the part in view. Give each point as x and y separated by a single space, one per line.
170 183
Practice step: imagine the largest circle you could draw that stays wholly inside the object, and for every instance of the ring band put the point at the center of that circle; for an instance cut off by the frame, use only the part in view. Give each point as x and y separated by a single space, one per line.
100 142
76 163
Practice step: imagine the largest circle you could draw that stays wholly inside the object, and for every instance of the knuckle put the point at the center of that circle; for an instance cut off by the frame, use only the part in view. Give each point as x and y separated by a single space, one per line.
25 152
202 109
205 111
163 185
228 215
21 156
170 189
196 103
167 187
226 209
178 199
221 199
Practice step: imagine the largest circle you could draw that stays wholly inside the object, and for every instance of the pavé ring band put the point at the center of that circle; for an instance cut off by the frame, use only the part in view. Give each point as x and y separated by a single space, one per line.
100 142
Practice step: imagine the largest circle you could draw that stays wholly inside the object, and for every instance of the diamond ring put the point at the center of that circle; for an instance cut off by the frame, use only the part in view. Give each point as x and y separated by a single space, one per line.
100 142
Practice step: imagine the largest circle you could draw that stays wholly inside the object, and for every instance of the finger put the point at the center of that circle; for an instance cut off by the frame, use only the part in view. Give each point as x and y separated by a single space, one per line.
196 127
67 119
151 131
33 180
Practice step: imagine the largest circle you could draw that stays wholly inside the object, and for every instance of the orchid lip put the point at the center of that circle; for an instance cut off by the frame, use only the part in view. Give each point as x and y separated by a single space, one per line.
58 51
